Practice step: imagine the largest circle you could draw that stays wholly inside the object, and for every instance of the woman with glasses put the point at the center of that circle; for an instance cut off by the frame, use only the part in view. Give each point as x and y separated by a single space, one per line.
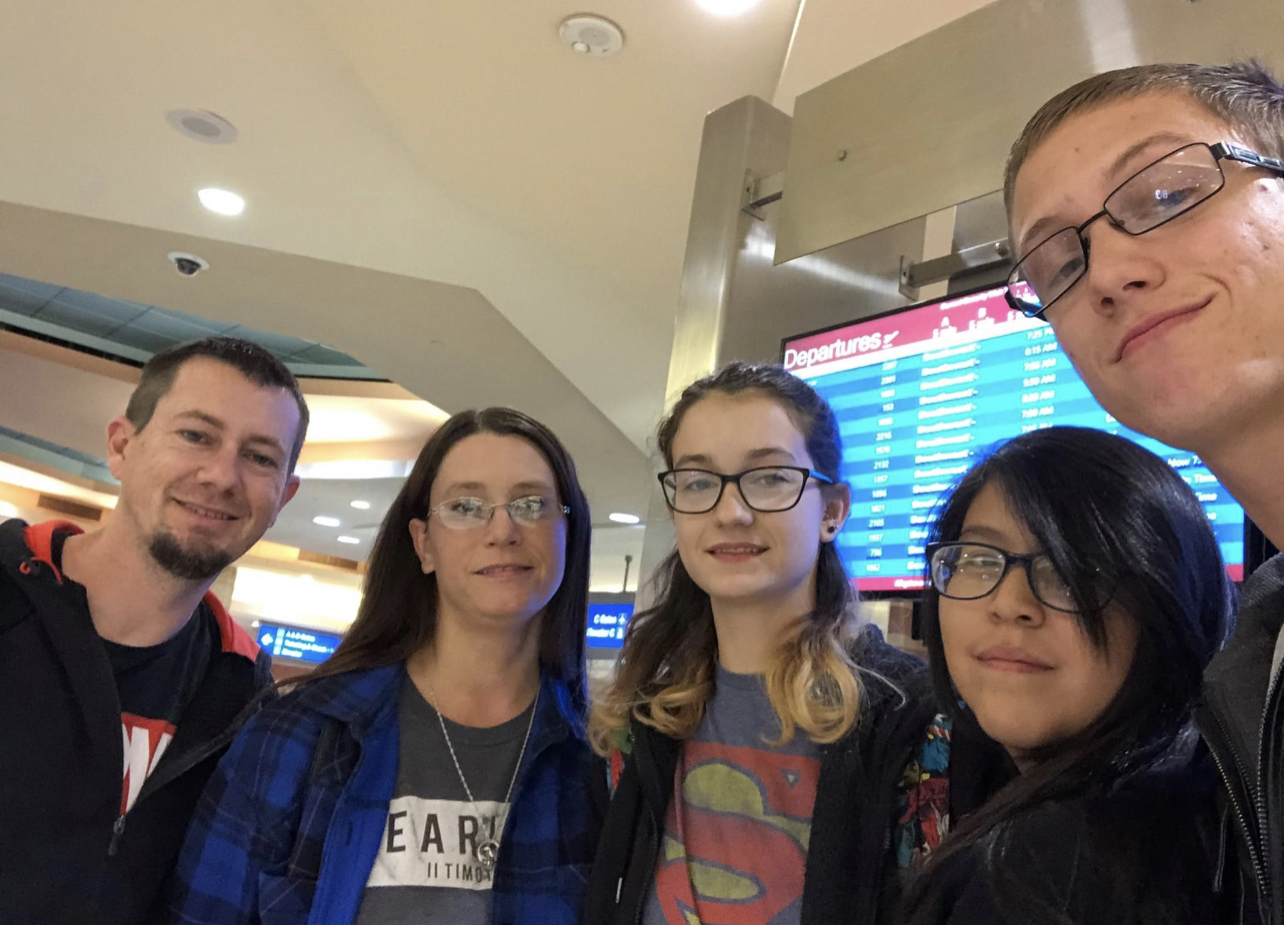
1076 594
435 768
746 699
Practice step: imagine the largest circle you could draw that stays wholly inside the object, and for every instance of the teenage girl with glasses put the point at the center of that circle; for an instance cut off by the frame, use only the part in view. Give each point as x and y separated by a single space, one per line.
435 769
1076 594
741 718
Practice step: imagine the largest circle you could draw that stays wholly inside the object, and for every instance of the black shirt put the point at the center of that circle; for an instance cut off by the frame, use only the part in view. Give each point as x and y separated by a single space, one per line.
155 684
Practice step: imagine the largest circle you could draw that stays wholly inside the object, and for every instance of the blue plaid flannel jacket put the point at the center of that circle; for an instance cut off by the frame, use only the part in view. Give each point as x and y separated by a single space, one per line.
254 852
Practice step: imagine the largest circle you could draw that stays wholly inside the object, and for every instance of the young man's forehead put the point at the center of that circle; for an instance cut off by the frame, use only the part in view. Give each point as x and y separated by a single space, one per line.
1092 150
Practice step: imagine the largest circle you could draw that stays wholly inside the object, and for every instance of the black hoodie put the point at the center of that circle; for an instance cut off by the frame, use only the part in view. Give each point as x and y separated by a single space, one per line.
67 856
1242 720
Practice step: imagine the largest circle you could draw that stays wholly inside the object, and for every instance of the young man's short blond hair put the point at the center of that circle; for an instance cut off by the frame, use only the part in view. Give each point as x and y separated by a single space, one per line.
1245 94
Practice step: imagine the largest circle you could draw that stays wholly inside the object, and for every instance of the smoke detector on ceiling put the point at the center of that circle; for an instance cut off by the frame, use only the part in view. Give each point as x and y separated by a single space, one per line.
591 35
202 125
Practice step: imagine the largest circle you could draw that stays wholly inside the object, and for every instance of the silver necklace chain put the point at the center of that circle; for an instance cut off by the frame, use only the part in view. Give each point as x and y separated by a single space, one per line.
486 851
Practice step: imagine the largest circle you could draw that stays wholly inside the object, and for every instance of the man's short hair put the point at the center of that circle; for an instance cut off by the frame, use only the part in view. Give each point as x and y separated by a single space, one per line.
1246 95
249 359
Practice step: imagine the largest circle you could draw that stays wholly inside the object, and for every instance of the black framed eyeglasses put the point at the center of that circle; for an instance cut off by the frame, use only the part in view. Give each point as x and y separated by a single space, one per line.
766 489
1153 196
970 571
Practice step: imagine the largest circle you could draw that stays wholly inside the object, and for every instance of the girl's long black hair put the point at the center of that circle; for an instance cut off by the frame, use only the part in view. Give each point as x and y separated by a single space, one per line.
1098 505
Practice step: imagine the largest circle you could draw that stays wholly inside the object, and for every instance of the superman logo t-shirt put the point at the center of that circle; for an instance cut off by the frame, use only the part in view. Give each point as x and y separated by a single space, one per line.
738 826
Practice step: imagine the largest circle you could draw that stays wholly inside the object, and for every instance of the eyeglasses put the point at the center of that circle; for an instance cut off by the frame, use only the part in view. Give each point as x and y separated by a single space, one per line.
1151 197
470 513
970 571
766 489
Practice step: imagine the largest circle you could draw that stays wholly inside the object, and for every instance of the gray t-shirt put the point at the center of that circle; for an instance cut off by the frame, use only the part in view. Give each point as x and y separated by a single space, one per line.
738 827
426 872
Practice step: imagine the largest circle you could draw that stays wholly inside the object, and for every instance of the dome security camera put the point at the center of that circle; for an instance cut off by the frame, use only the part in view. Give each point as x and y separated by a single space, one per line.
188 264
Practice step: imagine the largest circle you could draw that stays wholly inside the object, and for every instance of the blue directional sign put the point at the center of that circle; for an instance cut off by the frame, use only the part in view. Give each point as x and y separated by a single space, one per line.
606 623
293 642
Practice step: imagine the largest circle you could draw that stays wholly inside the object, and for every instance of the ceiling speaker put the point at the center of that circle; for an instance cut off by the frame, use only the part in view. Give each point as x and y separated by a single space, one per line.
592 35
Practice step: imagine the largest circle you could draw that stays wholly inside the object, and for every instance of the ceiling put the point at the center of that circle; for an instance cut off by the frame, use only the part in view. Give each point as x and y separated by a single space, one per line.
135 332
359 448
442 191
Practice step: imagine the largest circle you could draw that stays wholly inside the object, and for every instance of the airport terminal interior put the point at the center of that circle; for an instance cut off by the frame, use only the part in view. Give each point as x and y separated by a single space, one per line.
641 462
422 208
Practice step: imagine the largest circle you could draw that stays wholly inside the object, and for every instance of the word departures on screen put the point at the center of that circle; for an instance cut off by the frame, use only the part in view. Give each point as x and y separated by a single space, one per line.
922 392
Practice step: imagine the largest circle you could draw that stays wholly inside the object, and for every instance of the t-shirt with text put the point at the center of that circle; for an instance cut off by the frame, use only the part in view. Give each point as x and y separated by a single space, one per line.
426 872
155 684
737 830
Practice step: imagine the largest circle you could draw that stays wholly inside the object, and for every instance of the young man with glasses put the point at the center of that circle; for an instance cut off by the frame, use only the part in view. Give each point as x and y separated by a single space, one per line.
1147 209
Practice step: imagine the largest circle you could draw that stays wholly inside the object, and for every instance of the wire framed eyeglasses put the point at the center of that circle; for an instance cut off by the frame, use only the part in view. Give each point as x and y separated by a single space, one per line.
471 513
1153 196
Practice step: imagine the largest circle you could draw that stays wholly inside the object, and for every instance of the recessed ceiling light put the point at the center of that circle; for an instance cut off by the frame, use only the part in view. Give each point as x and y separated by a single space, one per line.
350 540
624 518
221 201
202 125
361 505
727 7
326 521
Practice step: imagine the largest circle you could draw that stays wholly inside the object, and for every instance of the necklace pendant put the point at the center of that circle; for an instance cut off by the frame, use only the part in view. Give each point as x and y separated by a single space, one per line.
487 853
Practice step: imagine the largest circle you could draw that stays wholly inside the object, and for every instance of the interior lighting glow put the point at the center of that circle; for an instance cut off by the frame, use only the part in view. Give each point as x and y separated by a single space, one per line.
727 7
350 540
624 518
324 521
361 505
221 201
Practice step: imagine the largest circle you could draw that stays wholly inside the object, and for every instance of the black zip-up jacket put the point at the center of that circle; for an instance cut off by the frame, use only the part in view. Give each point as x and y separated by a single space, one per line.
1132 851
850 865
1242 719
67 856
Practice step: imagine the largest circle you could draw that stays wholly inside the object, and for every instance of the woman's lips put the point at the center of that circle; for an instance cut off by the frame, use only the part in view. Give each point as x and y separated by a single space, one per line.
503 571
1013 660
736 552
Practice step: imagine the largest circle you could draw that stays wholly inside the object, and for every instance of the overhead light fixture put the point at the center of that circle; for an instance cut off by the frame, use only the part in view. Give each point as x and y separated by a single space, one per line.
727 7
202 125
324 521
624 518
354 469
361 505
221 201
350 540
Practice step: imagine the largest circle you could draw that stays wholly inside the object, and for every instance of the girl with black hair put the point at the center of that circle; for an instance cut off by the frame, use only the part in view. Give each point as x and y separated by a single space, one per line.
1076 594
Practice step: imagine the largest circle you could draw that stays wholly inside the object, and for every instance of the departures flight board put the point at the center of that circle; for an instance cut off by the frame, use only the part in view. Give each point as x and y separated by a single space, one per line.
922 393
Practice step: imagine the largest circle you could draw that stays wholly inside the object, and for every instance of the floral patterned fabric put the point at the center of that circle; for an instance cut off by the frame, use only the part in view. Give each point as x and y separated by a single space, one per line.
923 804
